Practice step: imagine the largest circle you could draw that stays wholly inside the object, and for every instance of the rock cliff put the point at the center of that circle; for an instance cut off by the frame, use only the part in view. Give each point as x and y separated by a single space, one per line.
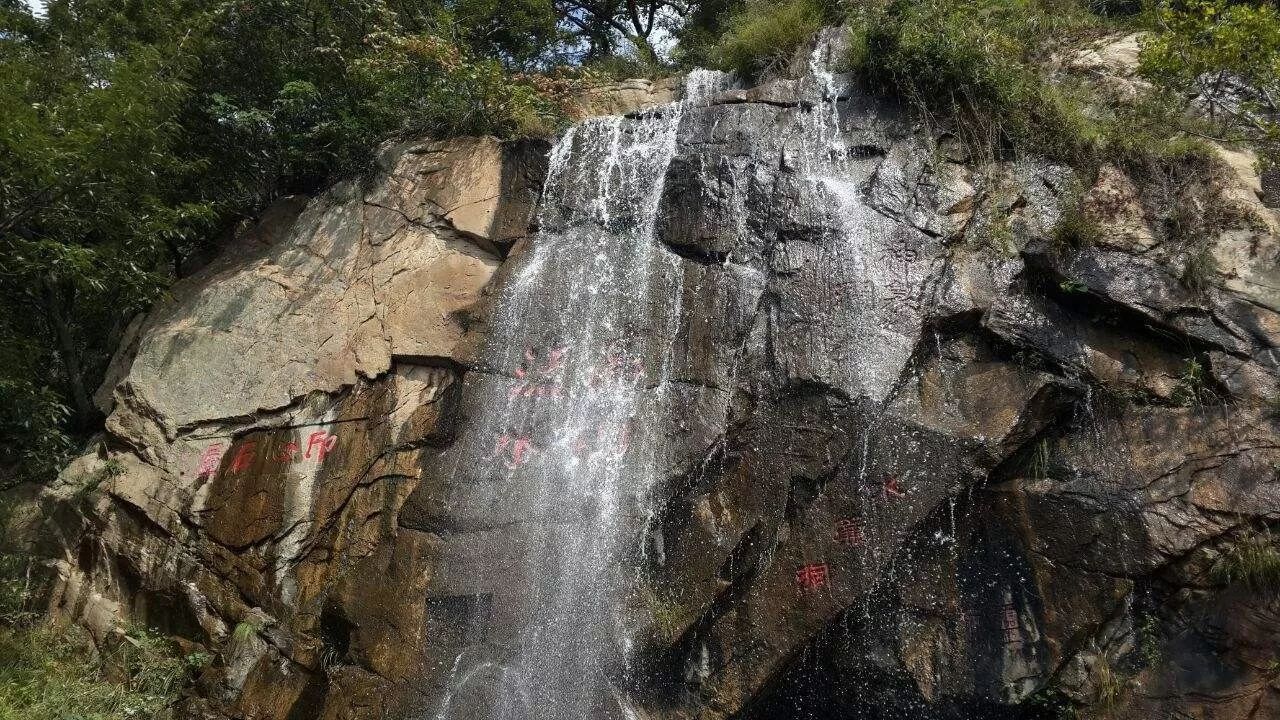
764 403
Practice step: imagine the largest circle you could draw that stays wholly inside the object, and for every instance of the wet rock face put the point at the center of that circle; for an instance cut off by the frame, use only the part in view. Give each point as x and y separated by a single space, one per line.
904 456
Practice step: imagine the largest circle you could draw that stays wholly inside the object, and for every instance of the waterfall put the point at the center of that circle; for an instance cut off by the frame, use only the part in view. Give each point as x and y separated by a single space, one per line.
568 423
566 414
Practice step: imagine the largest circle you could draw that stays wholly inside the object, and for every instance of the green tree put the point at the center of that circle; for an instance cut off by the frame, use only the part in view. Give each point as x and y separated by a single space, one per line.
136 132
87 167
601 24
1227 54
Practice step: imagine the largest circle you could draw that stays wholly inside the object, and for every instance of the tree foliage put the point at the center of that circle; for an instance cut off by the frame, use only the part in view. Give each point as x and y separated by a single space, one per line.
89 195
136 132
600 24
1228 55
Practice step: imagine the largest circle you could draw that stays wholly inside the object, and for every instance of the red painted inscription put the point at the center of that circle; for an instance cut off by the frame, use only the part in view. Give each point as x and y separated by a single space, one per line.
514 449
812 576
209 460
541 372
320 443
848 532
244 456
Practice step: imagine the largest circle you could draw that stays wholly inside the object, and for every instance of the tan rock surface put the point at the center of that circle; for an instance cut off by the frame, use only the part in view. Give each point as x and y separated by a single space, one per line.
628 96
267 421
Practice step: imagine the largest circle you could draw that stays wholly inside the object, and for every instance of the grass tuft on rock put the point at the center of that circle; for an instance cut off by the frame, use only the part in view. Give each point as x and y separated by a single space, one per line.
1199 270
763 36
1254 563
1074 232
245 631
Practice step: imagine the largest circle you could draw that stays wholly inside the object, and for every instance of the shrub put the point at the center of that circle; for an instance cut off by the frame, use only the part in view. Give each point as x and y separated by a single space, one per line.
1199 270
1074 231
1144 137
974 63
13 586
621 67
1207 44
1254 563
979 64
13 571
425 84
763 36
1227 54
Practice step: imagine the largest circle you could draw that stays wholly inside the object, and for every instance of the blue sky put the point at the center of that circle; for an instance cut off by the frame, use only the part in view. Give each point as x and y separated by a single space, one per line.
37 5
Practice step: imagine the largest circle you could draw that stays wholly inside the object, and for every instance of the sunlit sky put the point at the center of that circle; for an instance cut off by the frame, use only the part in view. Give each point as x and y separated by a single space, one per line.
36 5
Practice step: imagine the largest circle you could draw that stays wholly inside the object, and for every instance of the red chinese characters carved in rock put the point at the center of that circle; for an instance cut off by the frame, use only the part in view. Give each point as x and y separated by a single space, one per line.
320 443
812 576
621 366
888 487
209 460
541 373
848 532
514 448
244 456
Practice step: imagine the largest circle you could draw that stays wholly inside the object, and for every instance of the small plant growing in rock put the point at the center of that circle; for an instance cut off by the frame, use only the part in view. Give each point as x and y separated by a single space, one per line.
664 613
1040 456
1070 286
1110 685
1191 388
244 631
1149 639
1199 270
1051 705
1254 563
110 469
1074 232
999 234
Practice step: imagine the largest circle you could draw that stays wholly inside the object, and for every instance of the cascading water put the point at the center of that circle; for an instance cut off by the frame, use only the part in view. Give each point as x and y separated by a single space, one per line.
570 428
